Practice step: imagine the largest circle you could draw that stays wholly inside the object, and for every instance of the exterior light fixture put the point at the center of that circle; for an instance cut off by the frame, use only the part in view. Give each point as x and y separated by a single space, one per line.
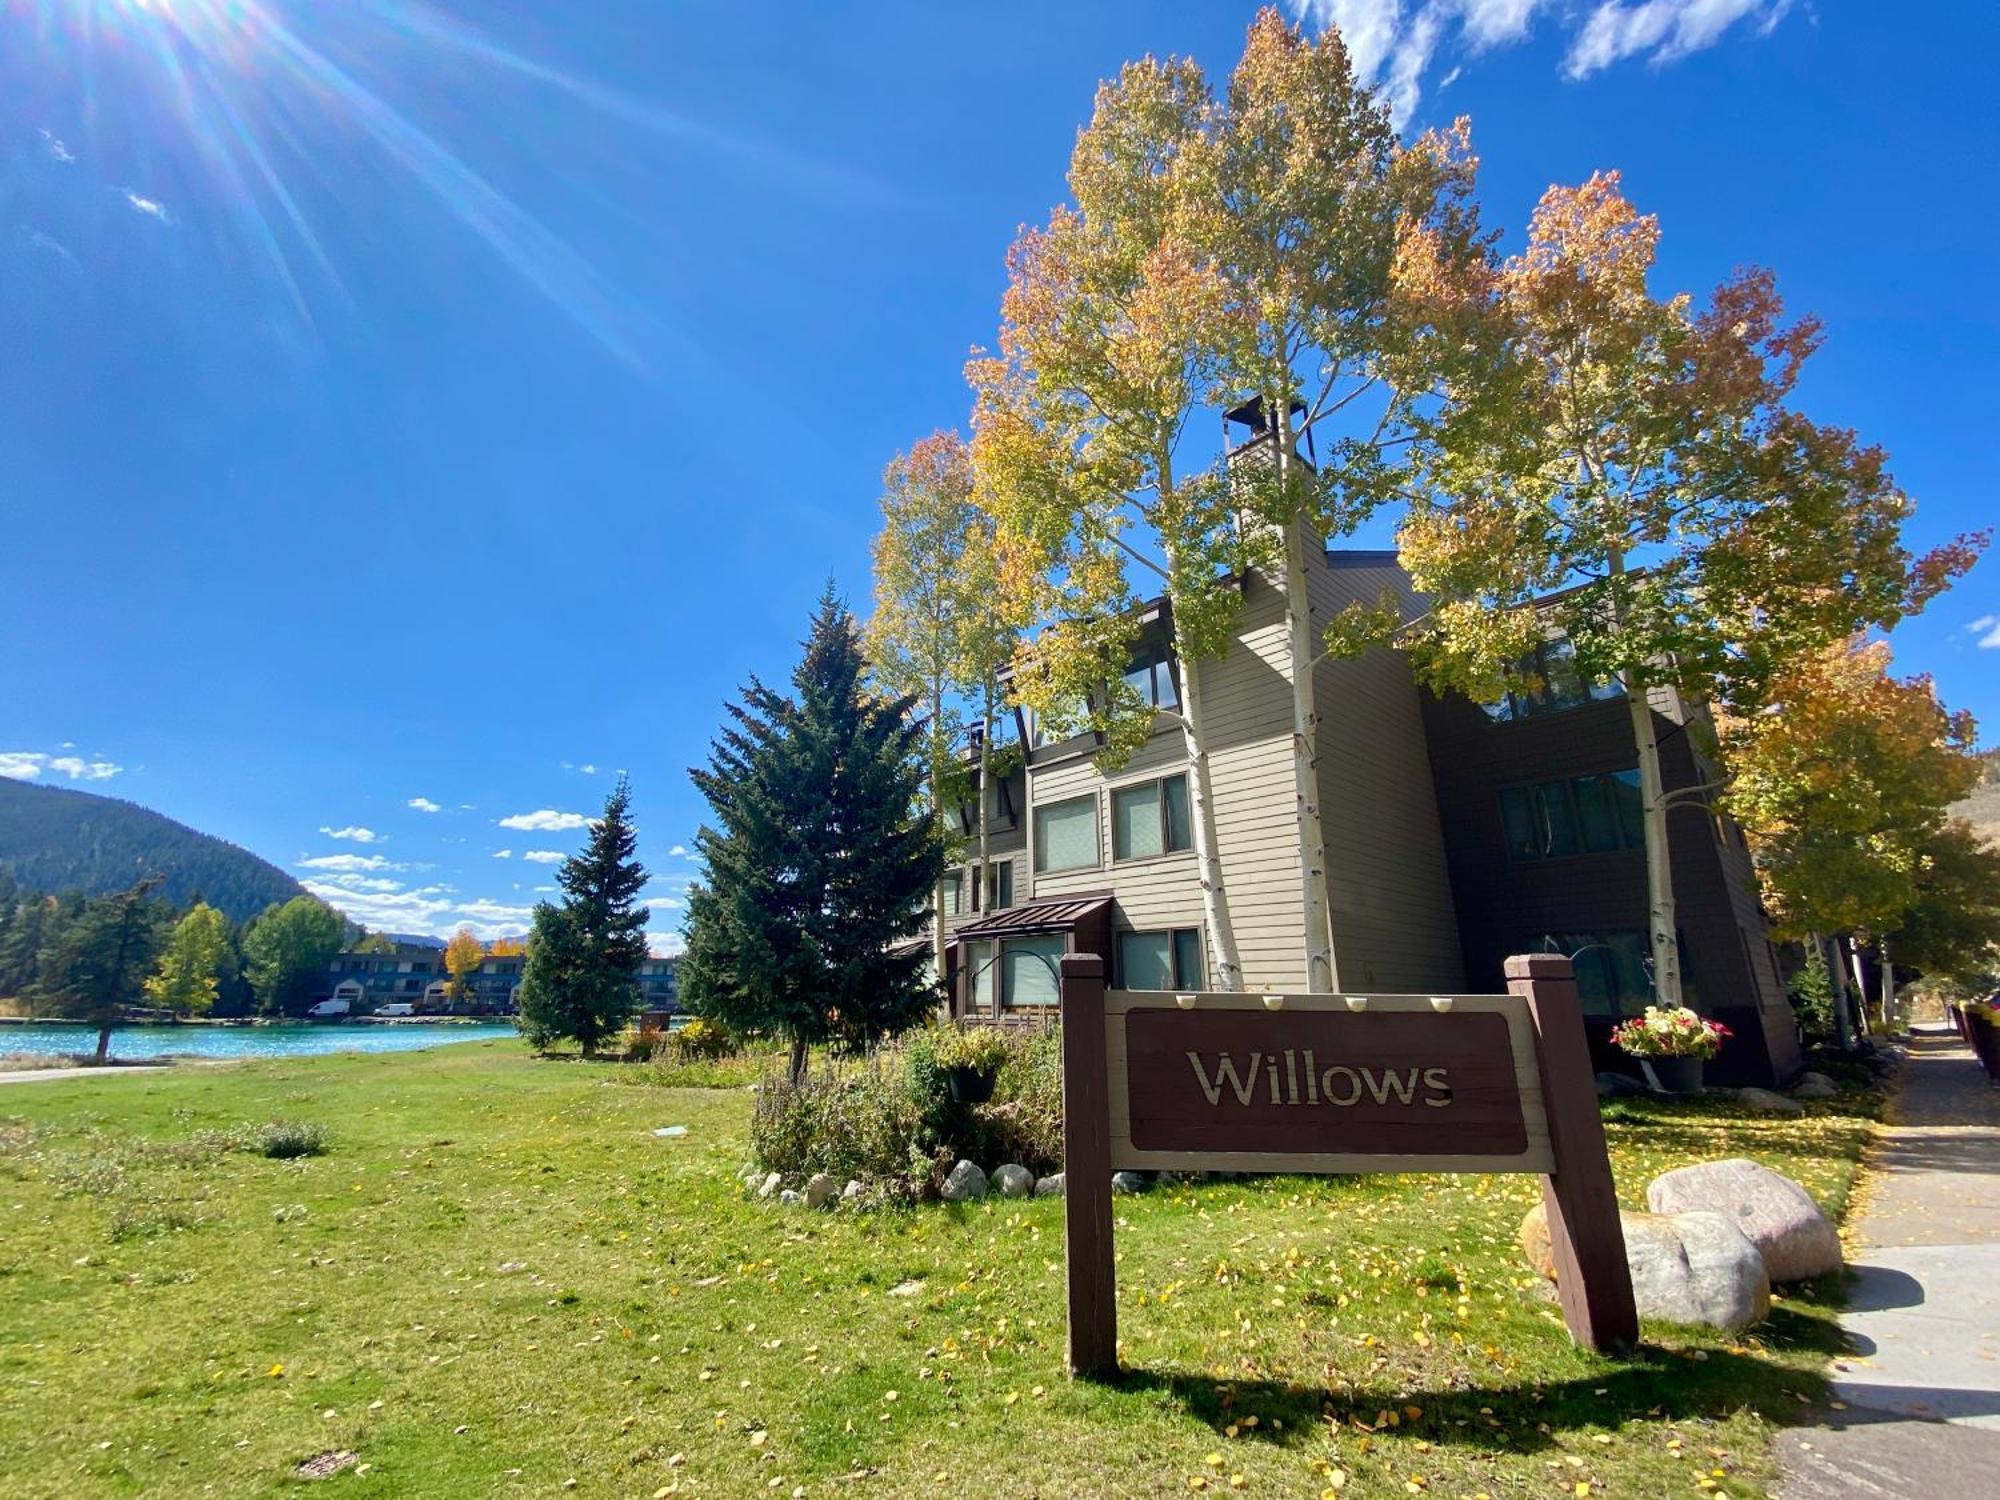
1186 1002
1441 1003
1357 1002
1274 1002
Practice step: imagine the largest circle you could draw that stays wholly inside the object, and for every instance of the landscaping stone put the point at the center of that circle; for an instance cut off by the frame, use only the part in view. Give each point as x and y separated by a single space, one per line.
819 1190
1814 1086
1013 1180
1796 1240
965 1184
1764 1099
769 1186
512 1267
1616 1085
855 1189
1129 1182
1686 1268
1050 1186
790 1197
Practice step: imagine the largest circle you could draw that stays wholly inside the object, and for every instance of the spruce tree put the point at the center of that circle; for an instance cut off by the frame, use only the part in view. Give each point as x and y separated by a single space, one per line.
581 977
819 861
98 965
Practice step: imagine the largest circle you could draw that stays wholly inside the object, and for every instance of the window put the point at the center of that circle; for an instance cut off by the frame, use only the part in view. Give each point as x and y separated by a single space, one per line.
953 886
1028 970
1613 969
1555 685
1150 818
1594 814
1000 885
1161 960
1066 835
1151 676
1069 722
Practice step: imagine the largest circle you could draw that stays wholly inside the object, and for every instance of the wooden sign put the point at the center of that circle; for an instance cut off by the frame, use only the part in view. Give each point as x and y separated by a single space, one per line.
1338 1083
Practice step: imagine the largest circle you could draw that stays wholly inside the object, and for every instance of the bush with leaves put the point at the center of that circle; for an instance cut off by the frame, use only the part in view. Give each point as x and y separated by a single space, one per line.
863 1124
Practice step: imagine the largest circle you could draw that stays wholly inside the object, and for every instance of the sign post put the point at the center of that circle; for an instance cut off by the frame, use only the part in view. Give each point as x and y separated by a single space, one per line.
1335 1084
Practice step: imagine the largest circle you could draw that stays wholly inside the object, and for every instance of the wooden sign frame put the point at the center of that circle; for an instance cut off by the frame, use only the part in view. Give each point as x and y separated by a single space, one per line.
1525 1101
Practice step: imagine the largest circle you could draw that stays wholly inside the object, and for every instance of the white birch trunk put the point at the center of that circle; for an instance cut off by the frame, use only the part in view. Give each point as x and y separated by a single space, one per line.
1201 804
938 812
1888 985
988 794
1860 983
1322 968
1843 1018
1661 923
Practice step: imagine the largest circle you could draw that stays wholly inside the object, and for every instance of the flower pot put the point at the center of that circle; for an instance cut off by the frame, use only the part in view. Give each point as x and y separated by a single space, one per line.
970 1085
1677 1075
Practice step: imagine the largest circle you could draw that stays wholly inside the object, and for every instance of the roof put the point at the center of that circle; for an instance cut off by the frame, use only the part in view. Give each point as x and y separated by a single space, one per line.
1058 914
1360 557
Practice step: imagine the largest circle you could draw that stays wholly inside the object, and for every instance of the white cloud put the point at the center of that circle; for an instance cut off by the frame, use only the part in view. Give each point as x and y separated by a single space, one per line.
586 767
152 208
548 820
503 853
542 856
26 765
543 890
665 944
1986 627
1394 42
493 911
387 911
354 834
424 805
53 144
665 903
48 244
368 884
347 863
679 851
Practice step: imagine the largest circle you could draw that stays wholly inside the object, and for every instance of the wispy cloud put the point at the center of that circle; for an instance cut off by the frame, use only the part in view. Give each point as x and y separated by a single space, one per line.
547 820
586 768
27 765
48 244
348 863
353 833
424 805
665 903
503 853
152 208
1394 43
1986 628
53 144
542 856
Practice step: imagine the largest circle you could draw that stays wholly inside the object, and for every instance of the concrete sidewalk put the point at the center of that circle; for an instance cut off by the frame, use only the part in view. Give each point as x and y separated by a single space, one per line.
1919 1399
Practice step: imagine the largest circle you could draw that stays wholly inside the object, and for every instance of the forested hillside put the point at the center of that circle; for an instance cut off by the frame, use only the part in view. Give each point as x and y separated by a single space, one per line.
56 840
1982 808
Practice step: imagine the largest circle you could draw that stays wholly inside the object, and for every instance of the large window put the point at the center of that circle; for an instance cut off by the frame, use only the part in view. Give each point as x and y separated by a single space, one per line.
1160 960
953 885
1000 885
1150 818
1582 815
1555 684
1613 969
1023 971
1066 835
1151 676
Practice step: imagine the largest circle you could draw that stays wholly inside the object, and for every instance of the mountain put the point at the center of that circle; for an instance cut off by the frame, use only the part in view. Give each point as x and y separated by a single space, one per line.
1982 808
56 840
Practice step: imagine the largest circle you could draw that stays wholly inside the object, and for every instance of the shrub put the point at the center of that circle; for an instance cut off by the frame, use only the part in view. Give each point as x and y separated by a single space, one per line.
860 1125
285 1139
1812 999
702 1039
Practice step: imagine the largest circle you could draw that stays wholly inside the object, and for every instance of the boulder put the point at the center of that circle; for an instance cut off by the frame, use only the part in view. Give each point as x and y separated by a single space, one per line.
854 1189
1686 1268
768 1188
1013 1180
1050 1186
1814 1086
964 1184
819 1190
1764 1099
1129 1182
791 1197
1616 1085
1796 1240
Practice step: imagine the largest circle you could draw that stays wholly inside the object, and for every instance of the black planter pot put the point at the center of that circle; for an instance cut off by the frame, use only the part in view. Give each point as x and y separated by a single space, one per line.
1678 1075
970 1085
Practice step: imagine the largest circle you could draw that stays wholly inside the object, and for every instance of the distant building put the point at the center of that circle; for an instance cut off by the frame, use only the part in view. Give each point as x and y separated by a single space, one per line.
415 974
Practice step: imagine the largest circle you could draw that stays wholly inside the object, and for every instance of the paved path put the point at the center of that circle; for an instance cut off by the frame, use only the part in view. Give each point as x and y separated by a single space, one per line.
50 1075
1920 1396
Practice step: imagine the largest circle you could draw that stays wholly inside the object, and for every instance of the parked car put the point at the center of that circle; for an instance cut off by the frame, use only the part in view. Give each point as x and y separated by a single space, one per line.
326 1010
396 1008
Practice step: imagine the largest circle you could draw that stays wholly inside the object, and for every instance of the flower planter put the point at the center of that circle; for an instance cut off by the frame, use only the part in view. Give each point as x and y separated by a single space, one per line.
970 1085
1677 1075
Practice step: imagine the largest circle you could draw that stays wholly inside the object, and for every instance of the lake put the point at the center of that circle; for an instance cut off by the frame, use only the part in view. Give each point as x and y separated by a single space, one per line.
293 1040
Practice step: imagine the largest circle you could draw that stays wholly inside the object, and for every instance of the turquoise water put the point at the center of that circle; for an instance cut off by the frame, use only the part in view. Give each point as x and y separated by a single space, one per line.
245 1041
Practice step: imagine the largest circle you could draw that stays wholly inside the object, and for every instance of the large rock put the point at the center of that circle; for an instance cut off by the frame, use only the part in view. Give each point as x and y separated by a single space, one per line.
768 1188
1617 1085
819 1190
1050 1186
1764 1099
964 1184
1130 1182
1686 1268
854 1191
1013 1180
1779 1217
1814 1086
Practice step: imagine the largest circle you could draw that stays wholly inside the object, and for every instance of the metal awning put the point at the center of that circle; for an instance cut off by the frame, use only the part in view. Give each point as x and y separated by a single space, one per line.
1057 914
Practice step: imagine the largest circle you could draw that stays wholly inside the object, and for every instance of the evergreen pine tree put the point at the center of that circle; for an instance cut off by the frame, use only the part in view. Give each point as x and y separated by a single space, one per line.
581 977
98 966
819 861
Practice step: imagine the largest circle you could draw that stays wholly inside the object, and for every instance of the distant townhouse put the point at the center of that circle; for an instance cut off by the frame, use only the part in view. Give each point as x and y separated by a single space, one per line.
1456 834
415 974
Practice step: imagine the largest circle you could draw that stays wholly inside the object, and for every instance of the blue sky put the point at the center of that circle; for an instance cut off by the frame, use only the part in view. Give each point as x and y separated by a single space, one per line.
415 414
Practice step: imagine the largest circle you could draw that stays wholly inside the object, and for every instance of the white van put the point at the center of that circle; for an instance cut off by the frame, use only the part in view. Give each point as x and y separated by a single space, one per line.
326 1010
396 1008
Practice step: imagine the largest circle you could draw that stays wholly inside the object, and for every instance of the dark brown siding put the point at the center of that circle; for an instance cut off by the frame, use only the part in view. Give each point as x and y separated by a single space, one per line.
1505 906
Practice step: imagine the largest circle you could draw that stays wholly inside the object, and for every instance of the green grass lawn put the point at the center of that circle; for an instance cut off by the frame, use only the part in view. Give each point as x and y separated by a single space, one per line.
179 1318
